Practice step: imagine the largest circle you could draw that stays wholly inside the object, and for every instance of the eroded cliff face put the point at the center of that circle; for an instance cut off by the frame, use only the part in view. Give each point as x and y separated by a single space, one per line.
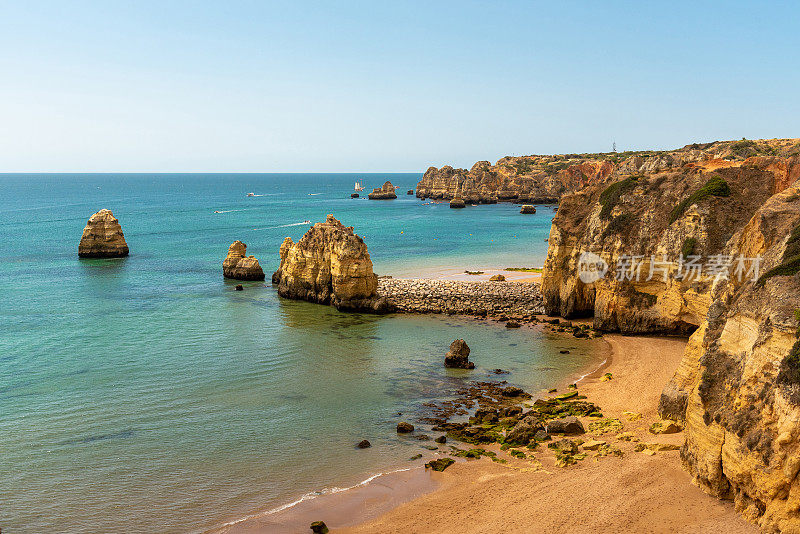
102 237
546 179
673 206
738 386
329 265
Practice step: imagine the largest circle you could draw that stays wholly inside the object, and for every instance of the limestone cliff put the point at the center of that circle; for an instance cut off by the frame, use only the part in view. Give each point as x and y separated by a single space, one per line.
329 265
102 237
544 179
671 207
239 266
738 386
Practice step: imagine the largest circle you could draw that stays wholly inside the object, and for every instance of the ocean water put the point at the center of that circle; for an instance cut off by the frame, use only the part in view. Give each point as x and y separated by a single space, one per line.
144 394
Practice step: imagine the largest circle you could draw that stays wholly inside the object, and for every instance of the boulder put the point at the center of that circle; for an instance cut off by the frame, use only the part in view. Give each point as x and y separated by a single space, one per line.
239 287
457 202
513 324
458 356
404 428
665 427
386 192
102 237
441 439
497 278
567 425
329 265
364 444
410 192
354 195
527 209
319 527
525 431
440 464
240 267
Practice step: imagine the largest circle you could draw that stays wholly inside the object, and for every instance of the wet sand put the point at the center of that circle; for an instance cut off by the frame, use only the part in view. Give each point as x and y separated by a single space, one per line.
636 493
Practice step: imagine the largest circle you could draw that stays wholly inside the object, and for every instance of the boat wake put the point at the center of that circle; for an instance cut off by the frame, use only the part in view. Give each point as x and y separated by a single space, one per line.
303 223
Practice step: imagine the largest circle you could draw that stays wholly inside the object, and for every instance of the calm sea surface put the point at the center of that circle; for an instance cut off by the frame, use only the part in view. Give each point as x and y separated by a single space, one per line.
145 395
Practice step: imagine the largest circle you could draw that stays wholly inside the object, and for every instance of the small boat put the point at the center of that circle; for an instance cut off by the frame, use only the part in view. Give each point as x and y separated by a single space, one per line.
359 186
251 194
306 222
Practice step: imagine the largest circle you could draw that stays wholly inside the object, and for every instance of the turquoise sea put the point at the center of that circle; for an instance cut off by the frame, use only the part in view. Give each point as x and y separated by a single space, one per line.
146 395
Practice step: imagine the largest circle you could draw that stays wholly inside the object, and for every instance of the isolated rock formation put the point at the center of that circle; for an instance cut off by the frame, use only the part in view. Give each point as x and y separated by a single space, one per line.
329 265
527 209
239 266
457 202
102 237
387 192
458 356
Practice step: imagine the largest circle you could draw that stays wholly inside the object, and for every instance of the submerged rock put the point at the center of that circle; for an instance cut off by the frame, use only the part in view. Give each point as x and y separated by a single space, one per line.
329 265
458 356
386 192
240 267
404 427
102 237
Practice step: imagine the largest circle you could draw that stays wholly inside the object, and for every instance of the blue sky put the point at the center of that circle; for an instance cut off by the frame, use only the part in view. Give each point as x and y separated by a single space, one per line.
240 86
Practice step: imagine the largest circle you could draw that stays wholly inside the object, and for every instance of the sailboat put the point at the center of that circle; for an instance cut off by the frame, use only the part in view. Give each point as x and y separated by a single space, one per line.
359 186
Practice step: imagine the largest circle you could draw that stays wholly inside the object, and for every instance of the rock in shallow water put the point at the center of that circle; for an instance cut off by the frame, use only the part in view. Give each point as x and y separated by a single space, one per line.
102 237
404 427
240 267
386 192
458 356
364 444
329 265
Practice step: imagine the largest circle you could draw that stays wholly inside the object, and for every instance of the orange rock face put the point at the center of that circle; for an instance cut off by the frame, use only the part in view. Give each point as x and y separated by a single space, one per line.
102 237
238 266
329 265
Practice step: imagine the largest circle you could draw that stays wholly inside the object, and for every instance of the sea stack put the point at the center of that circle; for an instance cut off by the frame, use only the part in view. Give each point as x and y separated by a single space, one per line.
383 193
457 202
240 267
527 209
102 237
329 265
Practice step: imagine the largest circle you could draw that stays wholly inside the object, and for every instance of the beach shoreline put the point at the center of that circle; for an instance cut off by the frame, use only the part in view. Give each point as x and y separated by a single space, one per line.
635 493
381 492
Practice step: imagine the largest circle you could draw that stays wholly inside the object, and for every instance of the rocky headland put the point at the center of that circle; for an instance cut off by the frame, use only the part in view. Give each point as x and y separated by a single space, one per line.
102 237
329 265
238 266
546 178
737 388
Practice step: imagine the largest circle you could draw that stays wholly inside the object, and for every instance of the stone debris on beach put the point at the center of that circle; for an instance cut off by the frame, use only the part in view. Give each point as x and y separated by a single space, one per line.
567 425
497 278
665 427
458 356
319 527
102 237
515 299
440 464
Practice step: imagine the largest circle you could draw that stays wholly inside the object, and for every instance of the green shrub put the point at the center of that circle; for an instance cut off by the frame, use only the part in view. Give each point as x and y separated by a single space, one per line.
611 195
618 225
716 186
791 259
688 246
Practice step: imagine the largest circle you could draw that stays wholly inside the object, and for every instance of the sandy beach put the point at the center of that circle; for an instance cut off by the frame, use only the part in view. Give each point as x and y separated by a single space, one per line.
635 493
